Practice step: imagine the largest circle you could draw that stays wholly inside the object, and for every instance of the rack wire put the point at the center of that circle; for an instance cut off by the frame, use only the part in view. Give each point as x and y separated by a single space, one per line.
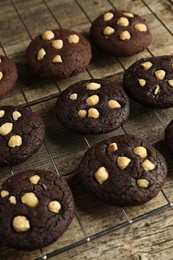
128 219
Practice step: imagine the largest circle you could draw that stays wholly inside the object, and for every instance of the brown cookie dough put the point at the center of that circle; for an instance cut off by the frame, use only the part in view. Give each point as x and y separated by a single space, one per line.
92 106
21 134
8 75
36 206
124 170
120 33
58 53
150 81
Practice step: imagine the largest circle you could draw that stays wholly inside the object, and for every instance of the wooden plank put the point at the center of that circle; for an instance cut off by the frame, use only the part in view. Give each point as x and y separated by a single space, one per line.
63 84
148 239
14 97
66 148
67 13
13 35
163 10
94 8
35 15
36 89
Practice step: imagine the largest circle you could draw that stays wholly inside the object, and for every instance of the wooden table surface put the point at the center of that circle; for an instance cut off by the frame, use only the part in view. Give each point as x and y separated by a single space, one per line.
98 231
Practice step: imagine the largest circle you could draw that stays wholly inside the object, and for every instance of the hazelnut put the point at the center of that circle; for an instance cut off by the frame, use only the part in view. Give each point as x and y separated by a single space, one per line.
92 100
16 115
140 27
48 35
125 35
73 38
54 206
101 175
142 82
160 74
123 21
170 82
34 179
57 44
12 200
1 75
146 65
108 16
30 199
21 224
140 151
108 30
82 113
15 140
93 113
142 183
57 59
112 148
2 113
128 14
113 104
148 165
6 128
93 86
156 91
73 96
123 162
41 53
4 193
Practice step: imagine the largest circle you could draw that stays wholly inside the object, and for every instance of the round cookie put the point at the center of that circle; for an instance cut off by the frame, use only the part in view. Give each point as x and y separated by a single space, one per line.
169 136
120 33
36 208
58 53
150 81
21 134
8 75
92 106
123 170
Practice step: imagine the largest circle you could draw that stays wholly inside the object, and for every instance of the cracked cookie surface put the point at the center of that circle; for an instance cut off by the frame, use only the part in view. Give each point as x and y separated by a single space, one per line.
120 33
92 106
58 53
36 206
21 134
8 75
150 81
124 170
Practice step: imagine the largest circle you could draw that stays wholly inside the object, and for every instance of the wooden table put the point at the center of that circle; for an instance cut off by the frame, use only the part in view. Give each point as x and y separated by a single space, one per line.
98 231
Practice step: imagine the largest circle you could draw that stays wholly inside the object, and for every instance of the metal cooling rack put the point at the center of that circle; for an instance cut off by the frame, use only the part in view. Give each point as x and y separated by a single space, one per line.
168 204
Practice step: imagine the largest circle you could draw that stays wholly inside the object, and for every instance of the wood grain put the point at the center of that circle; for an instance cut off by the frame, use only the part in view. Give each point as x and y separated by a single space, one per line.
150 238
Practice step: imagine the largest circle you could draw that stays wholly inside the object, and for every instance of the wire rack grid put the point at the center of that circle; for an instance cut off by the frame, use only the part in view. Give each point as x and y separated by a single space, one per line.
128 219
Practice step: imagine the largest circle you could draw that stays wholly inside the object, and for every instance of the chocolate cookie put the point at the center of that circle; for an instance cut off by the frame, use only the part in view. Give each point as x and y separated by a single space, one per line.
36 208
169 136
21 134
150 81
92 107
8 75
120 33
124 170
58 54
